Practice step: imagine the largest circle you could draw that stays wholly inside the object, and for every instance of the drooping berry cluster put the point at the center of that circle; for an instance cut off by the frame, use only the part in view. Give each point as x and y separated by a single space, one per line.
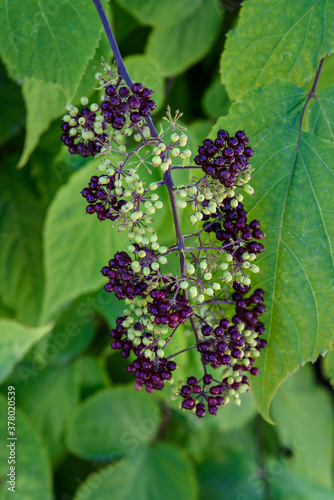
102 199
212 260
225 157
119 103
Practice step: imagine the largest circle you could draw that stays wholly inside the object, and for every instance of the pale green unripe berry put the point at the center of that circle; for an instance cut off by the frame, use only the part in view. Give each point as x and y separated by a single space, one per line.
245 256
234 203
252 256
175 152
128 132
136 266
110 171
158 204
203 265
230 192
72 122
138 238
239 197
137 137
142 254
156 150
137 341
230 380
254 268
183 140
148 353
247 281
104 179
155 245
118 191
146 271
193 219
163 249
199 216
193 292
223 266
216 286
228 257
209 291
82 120
243 388
153 238
187 153
156 160
245 265
193 190
136 215
227 276
181 203
146 341
122 148
131 248
73 132
248 189
246 362
207 276
162 260
208 196
237 401
87 134
201 298
154 197
184 285
160 353
190 269
153 186
155 266
67 118
174 137
182 193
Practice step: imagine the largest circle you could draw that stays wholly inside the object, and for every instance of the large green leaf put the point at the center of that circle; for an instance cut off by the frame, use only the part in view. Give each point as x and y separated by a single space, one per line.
294 195
149 473
49 413
162 13
113 422
307 432
48 40
15 340
77 245
180 46
32 468
276 40
21 269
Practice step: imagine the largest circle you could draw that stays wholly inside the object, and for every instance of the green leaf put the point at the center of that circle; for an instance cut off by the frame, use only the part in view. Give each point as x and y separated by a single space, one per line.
113 422
162 13
329 366
161 472
145 69
293 198
15 340
305 430
49 41
321 116
32 468
77 245
12 110
215 100
276 40
21 269
50 413
54 99
180 46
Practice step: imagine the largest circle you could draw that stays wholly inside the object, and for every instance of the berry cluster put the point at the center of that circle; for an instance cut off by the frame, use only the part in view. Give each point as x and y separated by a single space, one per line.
80 133
167 311
119 103
102 199
123 281
211 392
151 373
224 157
230 226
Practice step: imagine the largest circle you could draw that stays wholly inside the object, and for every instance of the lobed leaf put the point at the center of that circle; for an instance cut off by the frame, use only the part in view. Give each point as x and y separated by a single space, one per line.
284 39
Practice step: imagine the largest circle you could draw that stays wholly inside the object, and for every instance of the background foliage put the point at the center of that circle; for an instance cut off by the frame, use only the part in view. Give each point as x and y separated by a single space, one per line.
83 432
